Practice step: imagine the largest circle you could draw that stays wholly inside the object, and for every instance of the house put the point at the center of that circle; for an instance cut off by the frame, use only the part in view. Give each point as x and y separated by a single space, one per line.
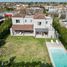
33 10
63 23
21 6
37 25
8 13
63 18
56 10
51 9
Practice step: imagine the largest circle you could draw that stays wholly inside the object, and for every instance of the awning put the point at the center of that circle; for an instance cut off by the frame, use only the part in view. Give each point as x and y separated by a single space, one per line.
41 30
22 27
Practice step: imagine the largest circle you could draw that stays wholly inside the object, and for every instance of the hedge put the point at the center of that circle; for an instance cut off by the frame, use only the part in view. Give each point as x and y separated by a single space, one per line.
24 64
61 30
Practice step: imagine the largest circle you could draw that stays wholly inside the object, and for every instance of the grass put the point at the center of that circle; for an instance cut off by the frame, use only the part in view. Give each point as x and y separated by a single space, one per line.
27 49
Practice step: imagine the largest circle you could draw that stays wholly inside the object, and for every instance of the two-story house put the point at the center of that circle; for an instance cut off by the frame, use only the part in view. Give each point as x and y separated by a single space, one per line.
37 25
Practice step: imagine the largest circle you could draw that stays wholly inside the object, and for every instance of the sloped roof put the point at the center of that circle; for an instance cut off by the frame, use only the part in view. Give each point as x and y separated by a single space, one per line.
39 16
22 27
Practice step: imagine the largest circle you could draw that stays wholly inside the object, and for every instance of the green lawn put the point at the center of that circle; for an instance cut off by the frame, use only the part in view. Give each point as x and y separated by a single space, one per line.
27 49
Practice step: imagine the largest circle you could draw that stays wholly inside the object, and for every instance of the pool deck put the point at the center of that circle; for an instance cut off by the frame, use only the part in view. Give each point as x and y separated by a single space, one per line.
52 46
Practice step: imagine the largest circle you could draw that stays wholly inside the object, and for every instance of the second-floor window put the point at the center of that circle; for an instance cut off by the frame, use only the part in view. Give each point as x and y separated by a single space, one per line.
25 20
17 21
39 23
31 20
46 22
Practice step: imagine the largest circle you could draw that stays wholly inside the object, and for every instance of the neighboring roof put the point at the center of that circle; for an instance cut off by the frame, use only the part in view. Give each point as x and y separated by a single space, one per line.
35 16
60 6
19 15
1 10
39 16
34 8
22 27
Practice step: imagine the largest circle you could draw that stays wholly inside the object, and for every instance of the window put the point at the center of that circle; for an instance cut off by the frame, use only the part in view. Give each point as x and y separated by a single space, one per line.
17 31
28 31
46 22
25 20
38 32
17 21
31 20
39 23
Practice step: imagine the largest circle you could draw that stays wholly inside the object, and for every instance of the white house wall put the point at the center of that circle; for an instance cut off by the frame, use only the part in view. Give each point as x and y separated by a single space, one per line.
29 21
43 23
17 18
36 21
51 34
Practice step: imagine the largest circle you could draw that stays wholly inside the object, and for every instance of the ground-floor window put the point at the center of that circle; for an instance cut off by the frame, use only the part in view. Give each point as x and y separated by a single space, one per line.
38 32
42 33
23 31
17 32
28 31
46 33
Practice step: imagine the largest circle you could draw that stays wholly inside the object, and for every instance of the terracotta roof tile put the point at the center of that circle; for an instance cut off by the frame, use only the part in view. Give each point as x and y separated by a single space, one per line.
39 16
21 13
22 27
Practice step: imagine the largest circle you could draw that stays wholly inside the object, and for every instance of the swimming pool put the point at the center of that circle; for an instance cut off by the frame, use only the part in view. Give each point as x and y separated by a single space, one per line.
59 57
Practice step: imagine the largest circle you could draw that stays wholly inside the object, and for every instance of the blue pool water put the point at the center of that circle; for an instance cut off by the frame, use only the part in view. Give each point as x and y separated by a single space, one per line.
59 57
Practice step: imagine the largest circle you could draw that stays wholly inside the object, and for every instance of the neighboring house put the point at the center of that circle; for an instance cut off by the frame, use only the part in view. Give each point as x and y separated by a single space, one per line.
62 13
64 22
21 6
33 10
7 13
37 25
56 10
51 9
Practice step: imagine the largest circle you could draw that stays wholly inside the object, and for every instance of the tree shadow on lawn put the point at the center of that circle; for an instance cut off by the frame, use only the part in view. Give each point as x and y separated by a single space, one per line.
11 63
27 64
32 64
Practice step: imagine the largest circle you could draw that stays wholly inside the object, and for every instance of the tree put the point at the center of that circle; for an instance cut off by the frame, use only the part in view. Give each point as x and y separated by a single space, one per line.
61 30
4 28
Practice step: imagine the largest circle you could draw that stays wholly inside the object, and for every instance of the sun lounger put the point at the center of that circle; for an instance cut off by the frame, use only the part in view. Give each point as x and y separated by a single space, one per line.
52 41
57 41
